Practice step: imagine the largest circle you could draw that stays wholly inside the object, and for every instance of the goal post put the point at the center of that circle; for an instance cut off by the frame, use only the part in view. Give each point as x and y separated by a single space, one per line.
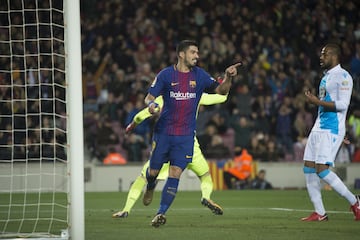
41 122
76 149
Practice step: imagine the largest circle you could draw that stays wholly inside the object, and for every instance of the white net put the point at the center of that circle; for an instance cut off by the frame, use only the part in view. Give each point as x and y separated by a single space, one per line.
33 137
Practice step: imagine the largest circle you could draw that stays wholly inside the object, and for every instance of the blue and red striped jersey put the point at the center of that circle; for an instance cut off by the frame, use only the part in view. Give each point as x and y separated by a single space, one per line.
181 93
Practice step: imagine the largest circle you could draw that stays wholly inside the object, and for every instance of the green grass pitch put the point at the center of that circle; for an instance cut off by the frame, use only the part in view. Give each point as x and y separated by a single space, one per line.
250 215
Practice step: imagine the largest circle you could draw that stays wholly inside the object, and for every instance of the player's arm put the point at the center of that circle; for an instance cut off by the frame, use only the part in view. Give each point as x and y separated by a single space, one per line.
211 99
316 101
150 102
154 91
230 72
344 92
153 106
142 115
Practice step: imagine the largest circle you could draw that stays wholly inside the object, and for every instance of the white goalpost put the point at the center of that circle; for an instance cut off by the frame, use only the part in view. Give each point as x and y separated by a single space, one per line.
41 130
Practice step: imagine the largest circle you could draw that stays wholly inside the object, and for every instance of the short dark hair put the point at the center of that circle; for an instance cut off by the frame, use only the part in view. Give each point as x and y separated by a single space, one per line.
184 45
334 48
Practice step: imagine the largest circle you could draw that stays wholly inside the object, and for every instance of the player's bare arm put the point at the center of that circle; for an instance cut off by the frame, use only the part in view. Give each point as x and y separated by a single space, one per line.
230 72
316 101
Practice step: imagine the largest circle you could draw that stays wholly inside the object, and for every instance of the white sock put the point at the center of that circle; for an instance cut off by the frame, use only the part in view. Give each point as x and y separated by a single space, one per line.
314 189
335 182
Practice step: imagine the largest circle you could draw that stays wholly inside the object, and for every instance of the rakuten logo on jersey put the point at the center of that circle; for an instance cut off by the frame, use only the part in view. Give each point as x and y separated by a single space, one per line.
182 96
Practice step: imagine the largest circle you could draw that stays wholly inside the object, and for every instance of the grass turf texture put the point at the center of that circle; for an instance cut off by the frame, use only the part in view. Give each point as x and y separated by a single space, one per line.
247 215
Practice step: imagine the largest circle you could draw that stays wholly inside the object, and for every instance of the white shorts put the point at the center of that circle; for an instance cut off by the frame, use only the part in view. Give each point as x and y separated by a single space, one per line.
322 147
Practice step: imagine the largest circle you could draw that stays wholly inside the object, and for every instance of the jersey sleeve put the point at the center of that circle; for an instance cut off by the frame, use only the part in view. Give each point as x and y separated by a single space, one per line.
210 83
211 99
157 85
344 91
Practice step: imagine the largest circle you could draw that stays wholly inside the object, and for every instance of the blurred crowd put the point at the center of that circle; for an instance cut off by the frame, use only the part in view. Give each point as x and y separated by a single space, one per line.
125 44
32 82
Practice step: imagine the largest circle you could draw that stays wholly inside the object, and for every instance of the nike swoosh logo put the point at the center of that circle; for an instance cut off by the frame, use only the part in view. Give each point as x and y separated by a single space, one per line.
174 83
187 156
321 218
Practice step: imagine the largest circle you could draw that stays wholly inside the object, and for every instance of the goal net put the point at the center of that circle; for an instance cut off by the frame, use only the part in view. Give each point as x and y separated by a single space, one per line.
35 167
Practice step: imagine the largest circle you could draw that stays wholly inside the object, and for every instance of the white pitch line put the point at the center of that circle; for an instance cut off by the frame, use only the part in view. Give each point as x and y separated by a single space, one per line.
225 209
190 209
303 210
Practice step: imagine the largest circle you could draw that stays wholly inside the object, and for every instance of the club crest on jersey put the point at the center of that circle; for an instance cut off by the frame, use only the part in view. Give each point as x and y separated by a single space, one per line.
322 92
192 83
345 83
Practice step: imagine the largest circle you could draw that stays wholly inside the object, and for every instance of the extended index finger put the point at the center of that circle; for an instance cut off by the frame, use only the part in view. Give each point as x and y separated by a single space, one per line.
237 64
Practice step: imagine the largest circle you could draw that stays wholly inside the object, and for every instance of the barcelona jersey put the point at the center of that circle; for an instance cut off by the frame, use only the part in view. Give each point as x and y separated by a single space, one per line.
181 93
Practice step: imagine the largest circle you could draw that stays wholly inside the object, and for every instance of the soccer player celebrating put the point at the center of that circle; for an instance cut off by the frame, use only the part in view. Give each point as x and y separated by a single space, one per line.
328 133
181 86
198 165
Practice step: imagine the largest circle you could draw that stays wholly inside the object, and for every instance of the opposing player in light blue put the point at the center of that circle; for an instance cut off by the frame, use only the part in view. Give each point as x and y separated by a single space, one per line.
328 132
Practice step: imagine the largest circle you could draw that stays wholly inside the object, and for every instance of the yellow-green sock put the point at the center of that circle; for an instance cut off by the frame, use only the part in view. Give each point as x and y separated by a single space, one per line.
134 193
206 186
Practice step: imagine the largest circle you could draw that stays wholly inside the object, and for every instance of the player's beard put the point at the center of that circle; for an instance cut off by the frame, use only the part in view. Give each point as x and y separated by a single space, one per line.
190 64
325 65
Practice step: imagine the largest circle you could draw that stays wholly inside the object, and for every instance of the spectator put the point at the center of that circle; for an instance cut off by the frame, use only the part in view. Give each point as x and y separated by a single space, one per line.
110 108
237 176
205 138
104 136
242 100
259 182
218 118
114 157
217 150
242 130
134 144
258 147
284 127
259 122
282 46
202 121
272 152
303 120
